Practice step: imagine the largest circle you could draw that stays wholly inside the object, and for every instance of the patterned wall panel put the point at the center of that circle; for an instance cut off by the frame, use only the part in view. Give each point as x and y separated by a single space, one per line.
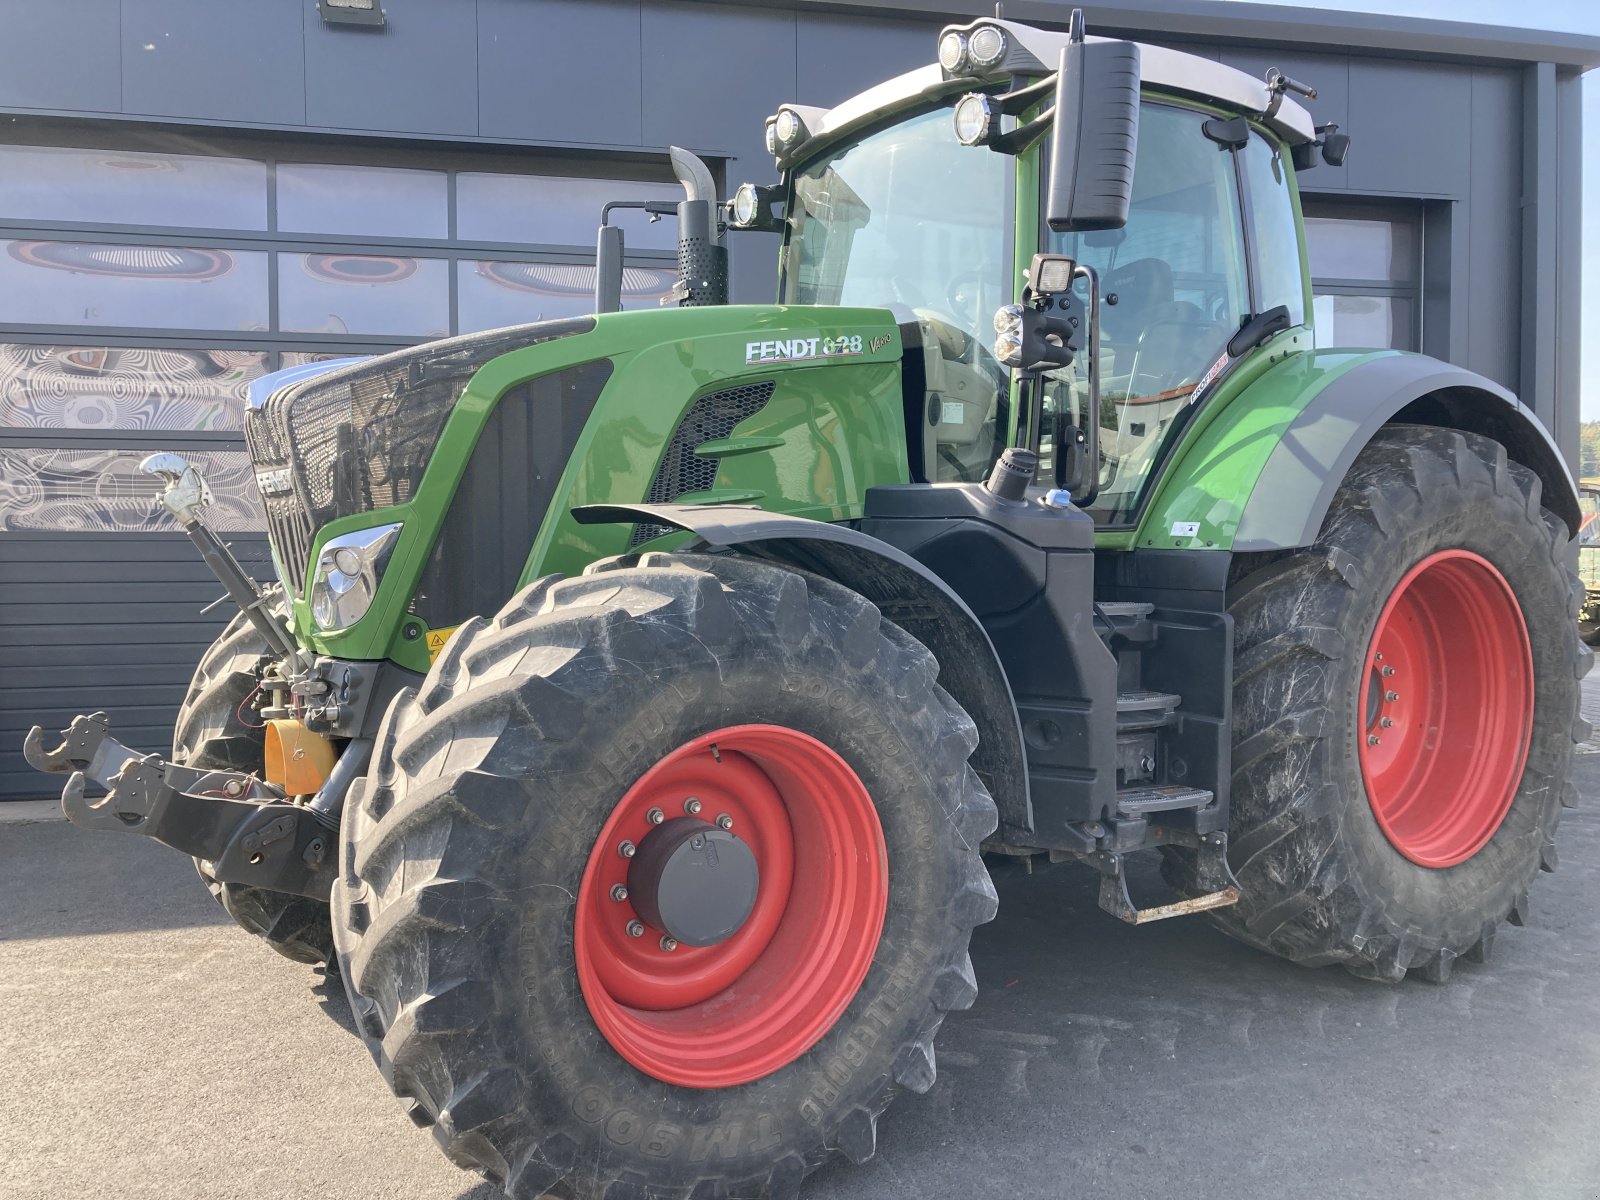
98 388
100 491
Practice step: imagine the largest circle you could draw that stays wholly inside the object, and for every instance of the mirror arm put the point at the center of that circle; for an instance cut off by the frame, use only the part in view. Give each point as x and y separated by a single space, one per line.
1086 489
1023 136
1016 102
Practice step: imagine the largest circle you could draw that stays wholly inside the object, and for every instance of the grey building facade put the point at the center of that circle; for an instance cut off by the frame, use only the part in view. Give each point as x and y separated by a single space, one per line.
195 193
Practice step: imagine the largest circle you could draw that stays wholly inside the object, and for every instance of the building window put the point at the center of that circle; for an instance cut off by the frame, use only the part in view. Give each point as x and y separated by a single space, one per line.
1366 274
372 203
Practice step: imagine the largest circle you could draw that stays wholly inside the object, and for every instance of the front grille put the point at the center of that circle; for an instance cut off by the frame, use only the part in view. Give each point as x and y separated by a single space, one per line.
360 438
681 470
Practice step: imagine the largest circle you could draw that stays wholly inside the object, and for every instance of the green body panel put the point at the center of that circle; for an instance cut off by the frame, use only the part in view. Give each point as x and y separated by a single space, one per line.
1211 473
833 427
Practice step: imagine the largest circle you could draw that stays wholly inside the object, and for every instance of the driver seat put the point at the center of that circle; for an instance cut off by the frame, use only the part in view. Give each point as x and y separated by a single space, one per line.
1167 339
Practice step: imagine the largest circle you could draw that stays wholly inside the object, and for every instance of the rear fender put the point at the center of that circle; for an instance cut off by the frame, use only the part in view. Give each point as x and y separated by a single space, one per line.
1296 486
908 594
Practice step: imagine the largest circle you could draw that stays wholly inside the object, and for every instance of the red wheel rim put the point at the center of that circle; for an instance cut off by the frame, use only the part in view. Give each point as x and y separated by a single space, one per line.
722 1015
1447 710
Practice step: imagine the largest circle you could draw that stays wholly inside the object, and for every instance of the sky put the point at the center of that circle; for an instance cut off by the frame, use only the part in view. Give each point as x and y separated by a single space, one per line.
1573 16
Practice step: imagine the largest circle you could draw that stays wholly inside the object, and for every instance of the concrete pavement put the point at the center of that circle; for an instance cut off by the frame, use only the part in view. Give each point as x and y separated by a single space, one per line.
153 1052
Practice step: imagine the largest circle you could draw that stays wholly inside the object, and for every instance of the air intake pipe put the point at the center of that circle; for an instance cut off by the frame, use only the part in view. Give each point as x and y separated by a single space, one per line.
702 258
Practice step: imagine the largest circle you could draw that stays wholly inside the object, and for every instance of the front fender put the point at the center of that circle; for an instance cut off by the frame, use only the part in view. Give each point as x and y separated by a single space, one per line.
908 594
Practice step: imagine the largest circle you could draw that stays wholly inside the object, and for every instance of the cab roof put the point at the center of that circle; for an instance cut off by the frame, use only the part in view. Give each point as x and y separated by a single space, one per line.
1034 53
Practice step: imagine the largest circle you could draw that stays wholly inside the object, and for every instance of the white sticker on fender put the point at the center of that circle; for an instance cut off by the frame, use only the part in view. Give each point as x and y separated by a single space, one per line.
1185 528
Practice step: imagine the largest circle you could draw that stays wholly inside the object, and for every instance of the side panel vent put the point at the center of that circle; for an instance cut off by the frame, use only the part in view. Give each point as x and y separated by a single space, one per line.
681 471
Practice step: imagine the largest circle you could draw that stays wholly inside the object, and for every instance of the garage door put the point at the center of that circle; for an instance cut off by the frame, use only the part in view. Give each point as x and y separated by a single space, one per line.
141 290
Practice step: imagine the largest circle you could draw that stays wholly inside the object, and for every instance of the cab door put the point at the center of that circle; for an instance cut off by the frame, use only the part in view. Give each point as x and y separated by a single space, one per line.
1176 283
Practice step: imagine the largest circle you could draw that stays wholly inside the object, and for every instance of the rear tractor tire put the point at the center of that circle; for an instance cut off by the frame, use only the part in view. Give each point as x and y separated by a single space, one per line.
210 733
1405 713
663 881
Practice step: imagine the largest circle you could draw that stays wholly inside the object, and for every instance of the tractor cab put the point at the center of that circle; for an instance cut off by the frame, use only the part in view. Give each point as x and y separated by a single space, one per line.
930 195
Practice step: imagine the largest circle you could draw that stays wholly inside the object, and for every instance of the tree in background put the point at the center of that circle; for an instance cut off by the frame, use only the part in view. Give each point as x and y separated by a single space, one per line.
1589 449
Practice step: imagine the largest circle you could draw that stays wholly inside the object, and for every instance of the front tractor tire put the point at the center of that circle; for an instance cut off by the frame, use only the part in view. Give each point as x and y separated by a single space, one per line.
211 732
663 881
1405 708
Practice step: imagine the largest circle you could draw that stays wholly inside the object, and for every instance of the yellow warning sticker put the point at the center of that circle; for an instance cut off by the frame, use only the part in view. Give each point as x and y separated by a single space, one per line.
436 640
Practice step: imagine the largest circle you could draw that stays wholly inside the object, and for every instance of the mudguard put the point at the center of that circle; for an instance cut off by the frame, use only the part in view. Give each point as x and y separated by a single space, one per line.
1296 486
908 594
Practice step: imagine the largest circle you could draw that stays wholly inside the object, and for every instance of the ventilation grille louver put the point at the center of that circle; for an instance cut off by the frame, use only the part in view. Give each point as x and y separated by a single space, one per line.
682 471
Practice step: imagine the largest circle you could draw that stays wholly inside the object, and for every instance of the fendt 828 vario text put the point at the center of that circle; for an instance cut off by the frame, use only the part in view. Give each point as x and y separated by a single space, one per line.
641 696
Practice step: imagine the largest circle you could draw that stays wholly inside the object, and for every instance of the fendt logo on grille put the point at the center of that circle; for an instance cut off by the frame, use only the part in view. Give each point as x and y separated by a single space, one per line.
801 349
275 483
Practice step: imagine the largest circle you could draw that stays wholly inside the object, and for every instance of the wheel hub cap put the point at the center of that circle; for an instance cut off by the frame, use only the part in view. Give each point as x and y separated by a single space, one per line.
1447 713
692 881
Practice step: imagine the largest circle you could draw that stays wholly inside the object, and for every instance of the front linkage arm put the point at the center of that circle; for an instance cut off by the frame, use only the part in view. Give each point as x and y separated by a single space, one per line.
245 828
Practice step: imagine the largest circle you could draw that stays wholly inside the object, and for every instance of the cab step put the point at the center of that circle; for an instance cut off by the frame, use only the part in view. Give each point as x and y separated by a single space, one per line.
1145 710
1214 881
1138 801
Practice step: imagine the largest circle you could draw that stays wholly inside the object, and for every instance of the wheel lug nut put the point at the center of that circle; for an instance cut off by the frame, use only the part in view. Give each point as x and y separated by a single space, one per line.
1372 739
1380 658
627 849
668 943
619 892
1385 722
655 816
691 805
724 822
1391 696
1388 670
635 928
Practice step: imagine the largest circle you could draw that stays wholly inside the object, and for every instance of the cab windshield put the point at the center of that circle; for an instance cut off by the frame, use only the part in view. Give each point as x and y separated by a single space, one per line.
910 220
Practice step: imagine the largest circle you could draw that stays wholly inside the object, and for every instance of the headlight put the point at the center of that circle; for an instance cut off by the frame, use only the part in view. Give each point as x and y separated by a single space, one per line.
772 136
1008 339
974 119
347 575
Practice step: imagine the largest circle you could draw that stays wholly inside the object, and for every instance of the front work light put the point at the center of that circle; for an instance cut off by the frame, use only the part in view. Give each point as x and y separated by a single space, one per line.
953 52
1050 274
772 136
974 120
986 45
789 128
745 207
751 208
347 575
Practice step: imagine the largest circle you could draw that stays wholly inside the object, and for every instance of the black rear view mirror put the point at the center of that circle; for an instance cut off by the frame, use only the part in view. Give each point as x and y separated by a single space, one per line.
1096 132
608 270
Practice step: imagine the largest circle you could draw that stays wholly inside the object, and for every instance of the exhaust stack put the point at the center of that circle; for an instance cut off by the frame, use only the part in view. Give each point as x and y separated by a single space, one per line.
702 258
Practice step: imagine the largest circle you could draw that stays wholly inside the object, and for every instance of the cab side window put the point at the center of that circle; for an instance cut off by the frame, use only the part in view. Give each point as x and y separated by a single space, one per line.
1280 274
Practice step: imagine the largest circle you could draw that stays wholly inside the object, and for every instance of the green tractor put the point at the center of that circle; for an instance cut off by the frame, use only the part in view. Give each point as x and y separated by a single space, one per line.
640 694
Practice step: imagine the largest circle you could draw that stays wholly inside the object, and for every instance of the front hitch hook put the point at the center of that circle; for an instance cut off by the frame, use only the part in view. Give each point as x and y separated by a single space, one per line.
80 741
